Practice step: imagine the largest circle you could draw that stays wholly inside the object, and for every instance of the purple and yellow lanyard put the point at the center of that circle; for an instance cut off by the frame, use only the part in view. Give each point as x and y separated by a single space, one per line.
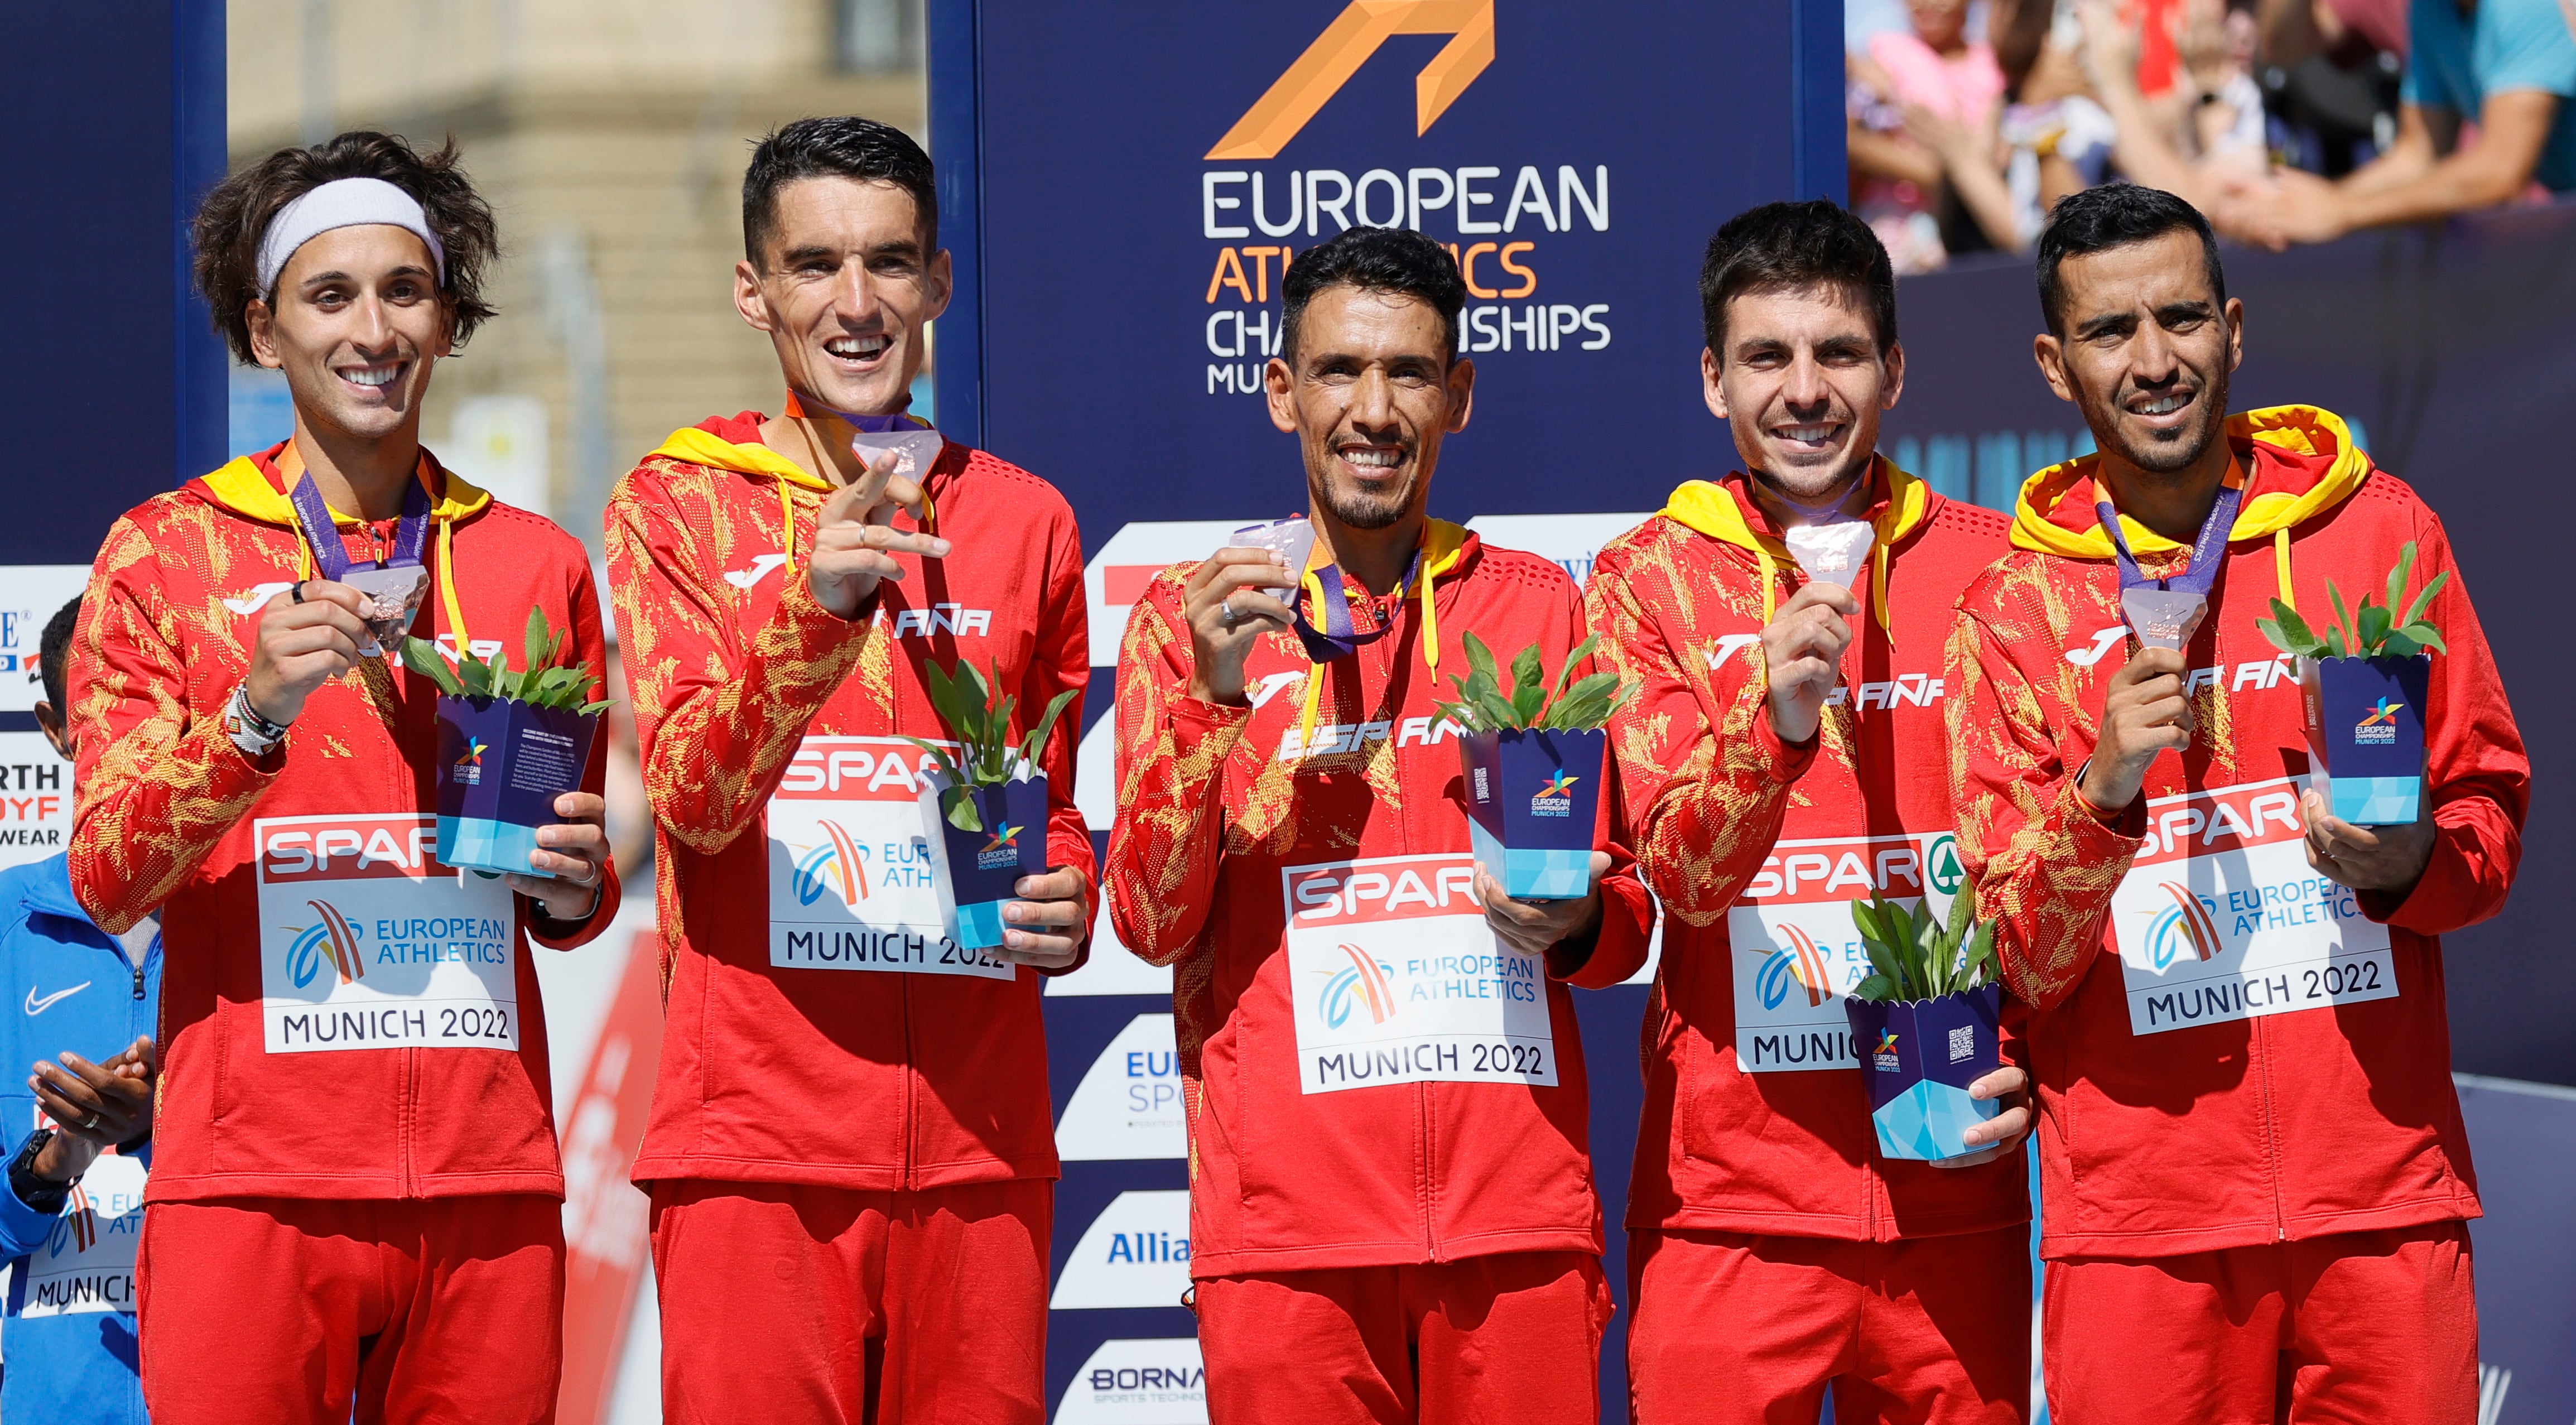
331 557
1335 634
2164 613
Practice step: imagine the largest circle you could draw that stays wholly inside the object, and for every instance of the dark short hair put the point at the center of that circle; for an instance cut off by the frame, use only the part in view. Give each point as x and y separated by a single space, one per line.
53 646
842 146
1784 246
1396 260
2116 215
236 213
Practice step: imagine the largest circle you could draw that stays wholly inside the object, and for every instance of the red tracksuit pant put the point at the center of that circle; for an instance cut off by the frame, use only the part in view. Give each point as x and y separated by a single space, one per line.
1732 1329
790 1301
301 1311
1491 1340
2365 1328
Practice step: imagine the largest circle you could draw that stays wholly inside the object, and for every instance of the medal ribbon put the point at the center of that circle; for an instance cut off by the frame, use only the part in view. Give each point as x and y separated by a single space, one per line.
331 557
1329 632
2206 550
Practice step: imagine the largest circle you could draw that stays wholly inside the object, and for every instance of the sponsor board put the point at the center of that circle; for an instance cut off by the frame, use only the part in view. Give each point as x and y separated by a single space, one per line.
1128 1104
1132 1382
85 1261
1112 968
1118 574
35 799
1571 541
1136 1253
30 594
852 885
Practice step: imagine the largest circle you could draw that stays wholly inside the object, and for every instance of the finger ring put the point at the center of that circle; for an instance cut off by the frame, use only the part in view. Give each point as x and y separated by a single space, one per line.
93 1122
1225 606
297 593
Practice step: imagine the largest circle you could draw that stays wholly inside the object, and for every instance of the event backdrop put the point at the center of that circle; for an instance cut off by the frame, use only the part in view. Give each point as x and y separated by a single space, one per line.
1123 186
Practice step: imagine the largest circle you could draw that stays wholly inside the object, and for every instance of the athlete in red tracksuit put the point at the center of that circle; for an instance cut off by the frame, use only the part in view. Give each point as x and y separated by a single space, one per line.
1387 1224
1772 1250
1759 1200
851 1120
355 1207
2254 1170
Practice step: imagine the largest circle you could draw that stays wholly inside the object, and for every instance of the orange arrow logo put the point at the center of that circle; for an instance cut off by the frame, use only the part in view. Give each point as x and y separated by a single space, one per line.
1345 45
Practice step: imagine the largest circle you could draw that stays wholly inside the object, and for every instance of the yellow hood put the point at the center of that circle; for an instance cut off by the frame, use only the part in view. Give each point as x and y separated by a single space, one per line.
1711 509
699 447
241 487
2302 436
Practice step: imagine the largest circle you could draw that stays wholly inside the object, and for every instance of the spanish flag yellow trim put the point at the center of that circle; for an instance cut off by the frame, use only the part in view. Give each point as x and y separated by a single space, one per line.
241 487
2300 430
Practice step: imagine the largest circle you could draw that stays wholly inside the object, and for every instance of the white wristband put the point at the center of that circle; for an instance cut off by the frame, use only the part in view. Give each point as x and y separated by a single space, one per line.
255 735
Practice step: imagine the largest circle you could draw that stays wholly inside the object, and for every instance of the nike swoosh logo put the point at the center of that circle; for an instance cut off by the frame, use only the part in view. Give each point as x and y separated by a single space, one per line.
39 1006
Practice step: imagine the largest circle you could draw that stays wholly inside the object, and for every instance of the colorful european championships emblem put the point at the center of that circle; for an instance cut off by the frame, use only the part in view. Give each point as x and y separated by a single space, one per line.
1002 850
2380 728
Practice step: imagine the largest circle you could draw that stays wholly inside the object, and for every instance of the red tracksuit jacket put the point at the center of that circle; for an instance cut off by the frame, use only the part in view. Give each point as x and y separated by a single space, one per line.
1757 1115
2267 1087
802 1045
282 1074
1304 1153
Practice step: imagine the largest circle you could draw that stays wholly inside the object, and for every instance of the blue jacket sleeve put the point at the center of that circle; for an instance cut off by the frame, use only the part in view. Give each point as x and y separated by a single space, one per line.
22 1228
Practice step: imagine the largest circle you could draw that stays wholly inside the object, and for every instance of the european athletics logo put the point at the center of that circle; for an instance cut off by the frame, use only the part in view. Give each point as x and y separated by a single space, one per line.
2187 924
1801 962
2380 728
838 855
331 938
1364 984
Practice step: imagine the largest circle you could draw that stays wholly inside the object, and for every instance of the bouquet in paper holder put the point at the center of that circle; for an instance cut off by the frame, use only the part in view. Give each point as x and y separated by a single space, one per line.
1925 1025
1534 759
2362 688
510 741
983 807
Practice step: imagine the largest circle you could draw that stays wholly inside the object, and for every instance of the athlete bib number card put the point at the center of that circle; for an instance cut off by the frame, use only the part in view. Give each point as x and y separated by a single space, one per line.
1795 952
2220 917
1397 979
367 942
85 1261
851 883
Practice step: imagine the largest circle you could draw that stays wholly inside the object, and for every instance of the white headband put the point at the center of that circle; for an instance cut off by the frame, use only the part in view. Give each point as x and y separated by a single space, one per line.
343 203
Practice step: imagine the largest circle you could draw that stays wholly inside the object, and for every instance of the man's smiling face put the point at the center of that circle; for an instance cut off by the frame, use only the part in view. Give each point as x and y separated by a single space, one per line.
1369 391
356 326
846 291
1801 386
2144 347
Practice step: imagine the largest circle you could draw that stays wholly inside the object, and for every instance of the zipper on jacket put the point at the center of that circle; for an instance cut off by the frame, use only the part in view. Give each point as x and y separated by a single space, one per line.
2258 1049
911 1085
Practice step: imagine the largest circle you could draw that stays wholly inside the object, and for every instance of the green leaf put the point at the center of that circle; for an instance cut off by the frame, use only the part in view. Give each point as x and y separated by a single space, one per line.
2427 635
537 643
593 709
2424 600
2374 628
2343 620
1875 987
1480 659
1981 956
422 657
1885 961
1864 914
2290 633
476 675
1565 670
960 809
2397 576
1033 747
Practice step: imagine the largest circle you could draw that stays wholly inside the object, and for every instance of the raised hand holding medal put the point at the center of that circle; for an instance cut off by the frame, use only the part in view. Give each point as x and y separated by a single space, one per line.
2145 711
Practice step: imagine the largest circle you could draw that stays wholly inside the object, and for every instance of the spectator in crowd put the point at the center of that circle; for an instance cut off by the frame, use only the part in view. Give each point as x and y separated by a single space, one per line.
2506 66
1924 108
2331 70
73 1209
2208 132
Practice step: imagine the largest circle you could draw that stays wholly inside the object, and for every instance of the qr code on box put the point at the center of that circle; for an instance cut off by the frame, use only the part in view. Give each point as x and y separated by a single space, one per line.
1963 1042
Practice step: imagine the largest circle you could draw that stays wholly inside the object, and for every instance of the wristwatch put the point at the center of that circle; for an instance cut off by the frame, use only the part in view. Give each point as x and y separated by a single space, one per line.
43 1195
